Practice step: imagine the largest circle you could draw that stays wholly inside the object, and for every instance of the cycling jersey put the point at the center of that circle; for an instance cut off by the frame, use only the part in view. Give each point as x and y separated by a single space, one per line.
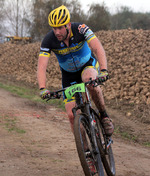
76 77
74 57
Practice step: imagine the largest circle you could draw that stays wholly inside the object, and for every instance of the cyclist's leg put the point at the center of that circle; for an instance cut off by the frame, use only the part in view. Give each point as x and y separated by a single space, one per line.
95 92
97 96
67 80
68 107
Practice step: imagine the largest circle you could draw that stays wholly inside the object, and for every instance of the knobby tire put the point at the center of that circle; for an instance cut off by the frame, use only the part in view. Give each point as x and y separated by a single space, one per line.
107 158
82 120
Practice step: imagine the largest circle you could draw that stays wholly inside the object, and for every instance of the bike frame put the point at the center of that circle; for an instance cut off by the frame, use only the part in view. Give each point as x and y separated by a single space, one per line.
101 146
85 108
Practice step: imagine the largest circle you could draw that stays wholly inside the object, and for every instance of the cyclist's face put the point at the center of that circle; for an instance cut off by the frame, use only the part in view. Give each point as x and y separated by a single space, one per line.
60 32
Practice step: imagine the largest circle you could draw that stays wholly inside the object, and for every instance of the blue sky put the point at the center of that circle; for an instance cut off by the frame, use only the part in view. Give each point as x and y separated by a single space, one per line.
135 5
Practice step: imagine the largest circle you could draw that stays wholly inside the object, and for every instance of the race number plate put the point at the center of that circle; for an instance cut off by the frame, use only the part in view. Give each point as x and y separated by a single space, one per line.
70 91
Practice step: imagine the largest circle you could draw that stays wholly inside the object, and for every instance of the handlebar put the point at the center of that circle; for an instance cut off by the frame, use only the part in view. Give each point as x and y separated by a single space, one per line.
56 95
53 95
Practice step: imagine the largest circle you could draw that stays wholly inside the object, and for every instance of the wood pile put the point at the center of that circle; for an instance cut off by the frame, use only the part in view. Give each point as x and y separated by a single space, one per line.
128 55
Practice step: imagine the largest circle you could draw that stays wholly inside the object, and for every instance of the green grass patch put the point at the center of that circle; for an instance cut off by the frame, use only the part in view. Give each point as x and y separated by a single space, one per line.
31 94
11 125
147 144
20 91
125 134
57 161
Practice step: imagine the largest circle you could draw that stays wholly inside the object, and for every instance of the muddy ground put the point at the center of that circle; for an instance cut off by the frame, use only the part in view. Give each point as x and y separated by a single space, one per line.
36 140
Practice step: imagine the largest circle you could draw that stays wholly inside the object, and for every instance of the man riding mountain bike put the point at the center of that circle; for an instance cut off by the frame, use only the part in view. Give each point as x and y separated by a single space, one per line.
71 43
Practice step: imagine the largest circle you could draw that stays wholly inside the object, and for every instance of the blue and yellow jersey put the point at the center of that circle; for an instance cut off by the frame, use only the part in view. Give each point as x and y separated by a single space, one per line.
71 58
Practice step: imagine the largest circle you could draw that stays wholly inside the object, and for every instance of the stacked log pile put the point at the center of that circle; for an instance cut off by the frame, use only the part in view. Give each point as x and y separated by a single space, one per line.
128 54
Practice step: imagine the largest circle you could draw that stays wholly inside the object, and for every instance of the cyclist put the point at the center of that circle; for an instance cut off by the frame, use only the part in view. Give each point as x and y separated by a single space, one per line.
71 43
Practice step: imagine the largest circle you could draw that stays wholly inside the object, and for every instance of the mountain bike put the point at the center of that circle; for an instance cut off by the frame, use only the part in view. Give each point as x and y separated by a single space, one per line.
94 147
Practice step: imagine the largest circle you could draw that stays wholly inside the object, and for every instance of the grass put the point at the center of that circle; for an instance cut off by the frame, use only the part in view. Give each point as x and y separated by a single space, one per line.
11 125
147 144
128 136
31 94
20 91
125 135
10 122
57 160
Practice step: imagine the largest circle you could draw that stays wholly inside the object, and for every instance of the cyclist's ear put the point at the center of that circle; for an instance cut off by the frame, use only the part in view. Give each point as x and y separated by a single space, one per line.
68 25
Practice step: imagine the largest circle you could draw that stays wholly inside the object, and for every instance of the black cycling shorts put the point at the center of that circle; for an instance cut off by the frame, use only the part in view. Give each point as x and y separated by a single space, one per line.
75 77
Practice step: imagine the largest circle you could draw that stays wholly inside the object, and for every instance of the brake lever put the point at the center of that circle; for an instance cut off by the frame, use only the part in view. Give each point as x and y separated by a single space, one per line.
49 96
98 82
48 99
58 96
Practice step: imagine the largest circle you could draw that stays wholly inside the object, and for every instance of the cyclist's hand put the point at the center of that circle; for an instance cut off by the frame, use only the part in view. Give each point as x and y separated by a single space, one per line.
44 93
103 76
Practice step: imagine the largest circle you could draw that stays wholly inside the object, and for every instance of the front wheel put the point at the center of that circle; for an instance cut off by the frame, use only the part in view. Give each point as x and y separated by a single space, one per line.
87 148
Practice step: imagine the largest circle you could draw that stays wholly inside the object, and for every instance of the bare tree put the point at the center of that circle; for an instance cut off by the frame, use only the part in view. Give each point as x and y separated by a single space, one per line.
76 12
41 10
1 16
17 17
99 17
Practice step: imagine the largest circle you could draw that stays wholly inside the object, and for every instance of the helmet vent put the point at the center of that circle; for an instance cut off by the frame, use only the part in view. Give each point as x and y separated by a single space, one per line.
59 14
65 19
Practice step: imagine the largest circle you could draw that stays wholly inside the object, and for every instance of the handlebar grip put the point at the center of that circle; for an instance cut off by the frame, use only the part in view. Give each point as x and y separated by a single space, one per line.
53 95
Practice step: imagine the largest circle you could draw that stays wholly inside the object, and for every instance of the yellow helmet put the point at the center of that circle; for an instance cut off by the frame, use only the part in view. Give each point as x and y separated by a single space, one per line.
59 17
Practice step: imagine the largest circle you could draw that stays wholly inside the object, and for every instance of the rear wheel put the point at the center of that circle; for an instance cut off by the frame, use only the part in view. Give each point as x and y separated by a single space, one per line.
105 147
86 148
108 161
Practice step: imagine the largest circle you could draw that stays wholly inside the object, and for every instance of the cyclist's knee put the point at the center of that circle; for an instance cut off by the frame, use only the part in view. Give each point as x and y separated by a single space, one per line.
89 73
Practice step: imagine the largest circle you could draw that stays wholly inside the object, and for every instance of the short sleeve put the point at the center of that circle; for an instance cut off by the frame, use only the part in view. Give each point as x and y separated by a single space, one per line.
45 49
87 32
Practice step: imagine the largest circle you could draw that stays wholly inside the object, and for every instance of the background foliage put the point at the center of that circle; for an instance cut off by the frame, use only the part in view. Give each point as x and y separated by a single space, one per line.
29 17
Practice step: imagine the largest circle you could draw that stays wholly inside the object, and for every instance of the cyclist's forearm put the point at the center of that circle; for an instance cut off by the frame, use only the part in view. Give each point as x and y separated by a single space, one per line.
41 76
41 72
101 57
99 51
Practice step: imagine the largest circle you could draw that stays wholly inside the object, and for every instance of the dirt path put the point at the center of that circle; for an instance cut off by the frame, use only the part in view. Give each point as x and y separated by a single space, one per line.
35 140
